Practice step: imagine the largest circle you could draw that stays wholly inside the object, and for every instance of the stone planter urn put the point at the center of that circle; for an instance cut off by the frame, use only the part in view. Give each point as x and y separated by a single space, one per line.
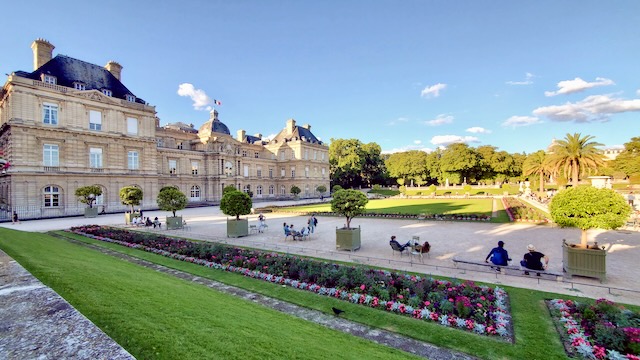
90 212
174 222
237 228
348 238
589 262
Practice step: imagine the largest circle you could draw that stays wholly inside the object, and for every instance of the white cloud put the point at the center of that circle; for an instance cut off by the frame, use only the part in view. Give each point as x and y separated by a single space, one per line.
398 120
528 80
517 121
440 120
638 92
577 85
478 130
433 90
444 140
417 142
592 109
407 148
200 99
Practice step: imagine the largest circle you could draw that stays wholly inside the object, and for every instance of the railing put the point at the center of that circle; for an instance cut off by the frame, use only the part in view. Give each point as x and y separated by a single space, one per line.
51 168
97 170
50 86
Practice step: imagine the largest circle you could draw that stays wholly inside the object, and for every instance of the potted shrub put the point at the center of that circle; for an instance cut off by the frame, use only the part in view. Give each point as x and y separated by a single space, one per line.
236 203
586 207
172 199
132 196
295 191
467 190
432 190
87 195
349 203
321 189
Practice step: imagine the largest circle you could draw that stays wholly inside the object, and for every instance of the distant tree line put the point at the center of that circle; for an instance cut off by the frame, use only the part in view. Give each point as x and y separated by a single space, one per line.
356 164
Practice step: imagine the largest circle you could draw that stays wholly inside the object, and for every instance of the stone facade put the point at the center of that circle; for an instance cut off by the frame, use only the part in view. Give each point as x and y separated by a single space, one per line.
60 132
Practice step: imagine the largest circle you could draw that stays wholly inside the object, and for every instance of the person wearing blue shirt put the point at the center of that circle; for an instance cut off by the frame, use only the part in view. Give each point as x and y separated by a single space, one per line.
498 256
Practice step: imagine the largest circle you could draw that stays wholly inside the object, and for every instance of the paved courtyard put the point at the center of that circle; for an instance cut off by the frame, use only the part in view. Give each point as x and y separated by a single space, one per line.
467 240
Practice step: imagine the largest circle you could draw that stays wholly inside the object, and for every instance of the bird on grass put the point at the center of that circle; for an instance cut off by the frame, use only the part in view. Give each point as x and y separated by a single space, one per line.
337 311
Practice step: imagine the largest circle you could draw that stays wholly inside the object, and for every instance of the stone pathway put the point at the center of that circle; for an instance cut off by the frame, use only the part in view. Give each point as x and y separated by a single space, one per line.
36 323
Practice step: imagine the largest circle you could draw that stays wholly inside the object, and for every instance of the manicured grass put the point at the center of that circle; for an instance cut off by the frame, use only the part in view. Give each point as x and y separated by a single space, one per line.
157 316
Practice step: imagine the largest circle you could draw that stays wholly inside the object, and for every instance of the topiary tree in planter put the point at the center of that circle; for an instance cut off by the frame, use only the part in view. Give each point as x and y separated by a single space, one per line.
132 196
586 207
321 189
349 203
87 195
295 191
172 199
236 203
432 189
336 188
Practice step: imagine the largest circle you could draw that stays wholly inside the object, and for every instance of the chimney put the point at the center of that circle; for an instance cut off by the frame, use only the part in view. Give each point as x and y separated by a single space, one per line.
258 135
42 52
241 134
115 69
291 124
307 126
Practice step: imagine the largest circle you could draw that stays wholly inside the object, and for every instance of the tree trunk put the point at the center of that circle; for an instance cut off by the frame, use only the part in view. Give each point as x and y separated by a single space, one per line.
541 183
574 176
583 238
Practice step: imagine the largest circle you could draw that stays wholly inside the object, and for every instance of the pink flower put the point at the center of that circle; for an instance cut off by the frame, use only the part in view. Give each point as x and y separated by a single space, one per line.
427 303
599 352
400 297
362 287
479 305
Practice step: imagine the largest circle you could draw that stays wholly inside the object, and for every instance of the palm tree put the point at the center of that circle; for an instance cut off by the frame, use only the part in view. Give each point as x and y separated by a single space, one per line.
575 155
537 163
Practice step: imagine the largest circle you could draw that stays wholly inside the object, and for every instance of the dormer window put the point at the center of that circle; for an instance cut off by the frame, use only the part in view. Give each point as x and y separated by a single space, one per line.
130 98
48 79
79 86
107 92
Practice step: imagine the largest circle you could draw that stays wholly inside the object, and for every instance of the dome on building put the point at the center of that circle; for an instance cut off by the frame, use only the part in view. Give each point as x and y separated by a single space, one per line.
213 125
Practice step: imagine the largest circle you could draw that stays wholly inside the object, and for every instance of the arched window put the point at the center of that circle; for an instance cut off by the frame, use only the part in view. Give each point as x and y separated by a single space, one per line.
283 190
195 193
51 196
272 190
259 190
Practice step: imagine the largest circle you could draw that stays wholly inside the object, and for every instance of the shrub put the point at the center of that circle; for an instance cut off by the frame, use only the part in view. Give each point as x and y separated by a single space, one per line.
171 199
235 203
88 194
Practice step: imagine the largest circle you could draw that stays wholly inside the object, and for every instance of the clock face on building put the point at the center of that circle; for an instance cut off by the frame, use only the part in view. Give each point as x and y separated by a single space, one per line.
228 165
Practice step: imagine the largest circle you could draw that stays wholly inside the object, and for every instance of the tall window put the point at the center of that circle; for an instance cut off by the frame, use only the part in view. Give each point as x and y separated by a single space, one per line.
256 155
132 126
246 189
293 154
259 171
270 173
272 190
194 167
293 171
244 153
315 155
282 172
79 86
173 167
283 190
306 171
107 92
246 171
130 98
50 155
195 193
51 196
133 160
323 173
95 158
95 120
259 190
322 156
50 114
306 154
282 154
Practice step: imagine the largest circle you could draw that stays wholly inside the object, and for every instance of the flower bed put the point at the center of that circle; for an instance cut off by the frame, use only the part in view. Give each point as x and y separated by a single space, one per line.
447 217
600 331
520 211
480 309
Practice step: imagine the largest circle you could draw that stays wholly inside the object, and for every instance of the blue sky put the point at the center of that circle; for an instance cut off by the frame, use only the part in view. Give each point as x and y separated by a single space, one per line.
406 75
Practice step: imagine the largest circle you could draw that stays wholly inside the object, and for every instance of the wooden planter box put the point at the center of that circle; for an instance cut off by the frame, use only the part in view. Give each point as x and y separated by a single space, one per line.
348 239
90 212
237 228
174 222
584 262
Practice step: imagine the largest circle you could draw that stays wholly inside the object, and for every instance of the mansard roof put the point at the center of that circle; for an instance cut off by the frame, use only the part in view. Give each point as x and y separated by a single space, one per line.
68 70
299 133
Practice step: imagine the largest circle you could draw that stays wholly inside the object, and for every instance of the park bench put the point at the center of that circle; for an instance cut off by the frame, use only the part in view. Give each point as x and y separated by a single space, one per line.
447 194
503 269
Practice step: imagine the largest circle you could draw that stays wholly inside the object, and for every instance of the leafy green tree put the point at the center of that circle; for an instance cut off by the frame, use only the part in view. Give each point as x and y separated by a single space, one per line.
88 194
628 161
353 163
295 191
131 195
336 188
321 189
575 155
586 207
235 203
349 203
373 167
537 164
171 199
459 159
408 166
228 188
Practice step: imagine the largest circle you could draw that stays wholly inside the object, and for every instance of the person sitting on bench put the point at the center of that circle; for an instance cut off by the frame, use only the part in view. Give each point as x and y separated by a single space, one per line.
533 260
498 256
402 247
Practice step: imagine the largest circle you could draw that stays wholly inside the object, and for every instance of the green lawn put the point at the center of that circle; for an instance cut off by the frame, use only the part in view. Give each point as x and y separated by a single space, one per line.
156 316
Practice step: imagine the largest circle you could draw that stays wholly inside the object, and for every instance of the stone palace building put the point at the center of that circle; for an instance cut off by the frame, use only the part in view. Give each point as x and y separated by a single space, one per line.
69 124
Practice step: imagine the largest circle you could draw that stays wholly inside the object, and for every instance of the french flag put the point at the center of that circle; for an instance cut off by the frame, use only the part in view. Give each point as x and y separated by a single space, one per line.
217 102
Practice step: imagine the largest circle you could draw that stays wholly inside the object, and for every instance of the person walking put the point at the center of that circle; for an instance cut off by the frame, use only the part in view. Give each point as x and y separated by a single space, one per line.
312 222
498 256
